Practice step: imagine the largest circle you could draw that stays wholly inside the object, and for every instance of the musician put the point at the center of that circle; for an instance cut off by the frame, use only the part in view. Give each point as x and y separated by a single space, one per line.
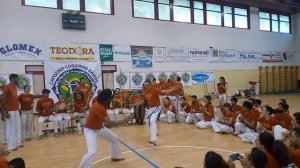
61 110
118 106
222 89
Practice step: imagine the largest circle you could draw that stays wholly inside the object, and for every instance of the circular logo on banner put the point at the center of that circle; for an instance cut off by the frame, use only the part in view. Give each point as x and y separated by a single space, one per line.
185 77
23 81
174 74
163 76
149 76
68 80
137 79
2 81
121 79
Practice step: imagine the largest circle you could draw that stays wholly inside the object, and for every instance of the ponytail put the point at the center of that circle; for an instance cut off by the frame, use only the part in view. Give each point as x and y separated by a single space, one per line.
281 153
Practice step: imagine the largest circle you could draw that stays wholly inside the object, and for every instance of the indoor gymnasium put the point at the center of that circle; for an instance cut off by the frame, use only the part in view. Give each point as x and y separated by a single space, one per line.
150 83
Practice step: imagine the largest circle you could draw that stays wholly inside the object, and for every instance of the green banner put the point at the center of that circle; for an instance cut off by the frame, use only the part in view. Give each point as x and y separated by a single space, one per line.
106 52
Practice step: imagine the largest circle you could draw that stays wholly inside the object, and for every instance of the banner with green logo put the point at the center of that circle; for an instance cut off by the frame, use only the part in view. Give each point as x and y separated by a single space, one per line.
106 52
24 79
121 80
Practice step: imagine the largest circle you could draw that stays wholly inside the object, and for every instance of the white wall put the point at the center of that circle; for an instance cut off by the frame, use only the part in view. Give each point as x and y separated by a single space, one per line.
33 24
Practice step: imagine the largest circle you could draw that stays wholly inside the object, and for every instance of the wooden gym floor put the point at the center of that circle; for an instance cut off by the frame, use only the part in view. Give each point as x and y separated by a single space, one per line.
179 145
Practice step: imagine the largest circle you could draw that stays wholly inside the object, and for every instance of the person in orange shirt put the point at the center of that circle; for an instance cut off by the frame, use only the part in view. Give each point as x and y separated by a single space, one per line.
26 103
118 106
224 124
84 89
169 111
13 122
154 84
196 112
284 122
208 114
95 98
139 111
45 109
61 110
80 109
177 88
94 128
185 109
295 146
222 89
236 108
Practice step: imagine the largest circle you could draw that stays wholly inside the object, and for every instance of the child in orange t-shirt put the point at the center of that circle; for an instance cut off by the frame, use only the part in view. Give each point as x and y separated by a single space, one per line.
208 114
169 111
226 122
185 109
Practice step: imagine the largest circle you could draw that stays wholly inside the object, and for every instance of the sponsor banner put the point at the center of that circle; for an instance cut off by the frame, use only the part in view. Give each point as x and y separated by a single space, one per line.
272 57
150 75
186 78
250 56
73 52
136 80
64 77
24 79
122 53
21 51
200 78
162 75
177 55
141 56
198 55
106 52
289 57
225 56
121 80
159 53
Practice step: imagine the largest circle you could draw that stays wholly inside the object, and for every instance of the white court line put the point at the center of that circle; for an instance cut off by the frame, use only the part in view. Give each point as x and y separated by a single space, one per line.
142 149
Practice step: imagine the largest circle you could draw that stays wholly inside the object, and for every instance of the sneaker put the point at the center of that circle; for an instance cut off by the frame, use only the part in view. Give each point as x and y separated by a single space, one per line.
152 142
117 159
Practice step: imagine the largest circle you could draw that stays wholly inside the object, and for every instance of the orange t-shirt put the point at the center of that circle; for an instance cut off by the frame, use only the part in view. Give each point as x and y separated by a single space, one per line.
177 88
155 85
44 106
251 115
3 162
228 115
295 157
237 109
152 97
80 106
187 106
118 101
221 88
168 107
85 91
268 124
162 85
26 101
135 99
210 110
271 162
284 120
11 103
196 106
96 116
61 106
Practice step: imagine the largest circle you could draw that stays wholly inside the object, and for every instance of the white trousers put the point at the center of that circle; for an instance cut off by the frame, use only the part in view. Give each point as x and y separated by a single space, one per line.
169 117
223 97
241 128
91 136
280 133
203 124
114 114
63 120
218 127
175 102
26 124
81 116
193 118
182 115
151 118
3 132
250 136
13 130
41 121
218 114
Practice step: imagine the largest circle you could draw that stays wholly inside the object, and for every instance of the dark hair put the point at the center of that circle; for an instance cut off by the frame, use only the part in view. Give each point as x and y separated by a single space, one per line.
234 99
194 97
222 77
167 98
284 105
283 101
214 160
297 134
208 97
258 158
257 101
227 105
178 78
17 163
297 117
13 76
276 148
247 104
182 98
153 79
251 100
26 86
47 91
105 97
270 109
148 81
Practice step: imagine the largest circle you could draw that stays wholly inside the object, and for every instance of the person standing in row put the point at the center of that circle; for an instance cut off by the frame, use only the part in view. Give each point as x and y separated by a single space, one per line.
222 89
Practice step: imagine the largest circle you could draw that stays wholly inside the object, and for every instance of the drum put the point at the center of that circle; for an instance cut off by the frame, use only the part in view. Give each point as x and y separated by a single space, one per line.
139 113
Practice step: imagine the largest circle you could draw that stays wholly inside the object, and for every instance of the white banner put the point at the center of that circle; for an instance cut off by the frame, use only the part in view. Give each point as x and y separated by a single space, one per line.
136 80
250 56
63 77
177 55
21 51
72 52
24 79
121 80
272 57
159 54
186 78
224 56
200 78
198 55
289 57
122 53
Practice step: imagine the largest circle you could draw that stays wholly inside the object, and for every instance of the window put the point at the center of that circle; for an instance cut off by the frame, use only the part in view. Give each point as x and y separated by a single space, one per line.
227 16
96 6
214 15
198 12
164 10
182 11
240 18
274 21
144 9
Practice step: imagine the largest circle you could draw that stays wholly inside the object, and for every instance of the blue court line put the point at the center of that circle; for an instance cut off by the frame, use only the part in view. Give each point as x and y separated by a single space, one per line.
140 155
